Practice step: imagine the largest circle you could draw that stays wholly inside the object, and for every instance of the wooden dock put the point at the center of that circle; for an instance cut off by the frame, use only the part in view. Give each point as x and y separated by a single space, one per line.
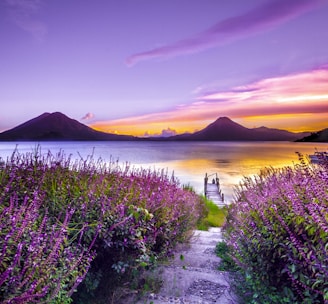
212 190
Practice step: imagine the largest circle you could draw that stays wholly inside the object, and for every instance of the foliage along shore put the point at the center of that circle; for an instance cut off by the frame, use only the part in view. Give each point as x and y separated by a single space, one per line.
93 226
276 235
71 231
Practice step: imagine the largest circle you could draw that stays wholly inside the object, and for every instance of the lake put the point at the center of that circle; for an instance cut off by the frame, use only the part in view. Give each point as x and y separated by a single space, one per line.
189 161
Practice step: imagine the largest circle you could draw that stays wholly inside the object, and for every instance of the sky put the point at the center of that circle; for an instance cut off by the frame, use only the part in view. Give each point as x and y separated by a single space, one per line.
164 67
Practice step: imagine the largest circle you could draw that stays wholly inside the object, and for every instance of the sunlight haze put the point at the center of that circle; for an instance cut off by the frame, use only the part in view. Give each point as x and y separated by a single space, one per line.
150 68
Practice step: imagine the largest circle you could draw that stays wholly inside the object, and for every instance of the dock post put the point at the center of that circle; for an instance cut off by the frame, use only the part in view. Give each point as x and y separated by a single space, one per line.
218 182
205 184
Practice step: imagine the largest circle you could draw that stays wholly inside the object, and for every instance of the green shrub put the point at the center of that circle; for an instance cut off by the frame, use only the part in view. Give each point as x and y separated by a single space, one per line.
224 252
67 213
277 230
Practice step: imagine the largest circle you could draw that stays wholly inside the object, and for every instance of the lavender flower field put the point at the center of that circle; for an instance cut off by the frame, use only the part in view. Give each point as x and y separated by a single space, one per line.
277 232
80 225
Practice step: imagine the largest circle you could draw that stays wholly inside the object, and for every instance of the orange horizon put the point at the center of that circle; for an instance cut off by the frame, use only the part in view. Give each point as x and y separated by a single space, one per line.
295 102
172 128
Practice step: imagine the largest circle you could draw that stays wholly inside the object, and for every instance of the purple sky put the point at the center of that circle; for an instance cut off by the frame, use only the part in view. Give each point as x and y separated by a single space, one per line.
121 63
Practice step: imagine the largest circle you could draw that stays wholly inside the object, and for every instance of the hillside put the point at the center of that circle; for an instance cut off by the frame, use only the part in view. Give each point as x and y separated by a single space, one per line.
56 127
224 129
321 136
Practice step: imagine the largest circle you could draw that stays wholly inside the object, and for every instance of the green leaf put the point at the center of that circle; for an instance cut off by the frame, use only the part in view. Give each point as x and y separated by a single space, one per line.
293 268
143 264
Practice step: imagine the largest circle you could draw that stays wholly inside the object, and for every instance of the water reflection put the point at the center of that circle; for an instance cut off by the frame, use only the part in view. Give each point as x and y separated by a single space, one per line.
189 161
233 161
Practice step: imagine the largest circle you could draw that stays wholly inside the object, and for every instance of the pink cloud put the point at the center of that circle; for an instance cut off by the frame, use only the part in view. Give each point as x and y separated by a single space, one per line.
296 94
261 18
88 116
165 133
168 132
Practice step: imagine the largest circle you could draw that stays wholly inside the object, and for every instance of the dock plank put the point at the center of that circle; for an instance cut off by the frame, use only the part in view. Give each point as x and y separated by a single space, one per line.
215 195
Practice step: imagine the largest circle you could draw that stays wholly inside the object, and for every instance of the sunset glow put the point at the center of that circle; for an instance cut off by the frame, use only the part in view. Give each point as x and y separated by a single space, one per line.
161 68
296 102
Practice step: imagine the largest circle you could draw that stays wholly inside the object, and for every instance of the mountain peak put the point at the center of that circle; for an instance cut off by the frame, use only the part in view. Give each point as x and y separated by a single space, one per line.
224 119
59 114
225 129
57 126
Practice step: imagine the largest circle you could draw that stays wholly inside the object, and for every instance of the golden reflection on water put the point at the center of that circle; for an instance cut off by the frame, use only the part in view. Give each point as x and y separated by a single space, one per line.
235 161
188 160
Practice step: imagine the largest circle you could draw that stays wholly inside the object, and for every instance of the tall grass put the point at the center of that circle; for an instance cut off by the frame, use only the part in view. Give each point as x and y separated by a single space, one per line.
214 215
277 232
68 224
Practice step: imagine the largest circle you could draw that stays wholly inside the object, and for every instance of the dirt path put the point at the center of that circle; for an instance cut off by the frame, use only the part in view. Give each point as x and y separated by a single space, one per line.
192 277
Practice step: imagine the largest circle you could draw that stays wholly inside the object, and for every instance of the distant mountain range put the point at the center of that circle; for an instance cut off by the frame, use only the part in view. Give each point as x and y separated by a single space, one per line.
321 136
58 127
224 129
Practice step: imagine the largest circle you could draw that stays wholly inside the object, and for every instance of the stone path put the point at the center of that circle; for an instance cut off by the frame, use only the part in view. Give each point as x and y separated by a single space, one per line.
192 277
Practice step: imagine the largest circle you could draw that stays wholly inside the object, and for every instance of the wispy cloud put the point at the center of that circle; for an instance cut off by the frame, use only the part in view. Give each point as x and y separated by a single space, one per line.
22 13
88 116
294 96
261 18
305 92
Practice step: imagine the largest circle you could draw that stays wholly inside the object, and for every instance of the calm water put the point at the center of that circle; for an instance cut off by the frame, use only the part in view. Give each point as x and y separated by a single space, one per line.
188 160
